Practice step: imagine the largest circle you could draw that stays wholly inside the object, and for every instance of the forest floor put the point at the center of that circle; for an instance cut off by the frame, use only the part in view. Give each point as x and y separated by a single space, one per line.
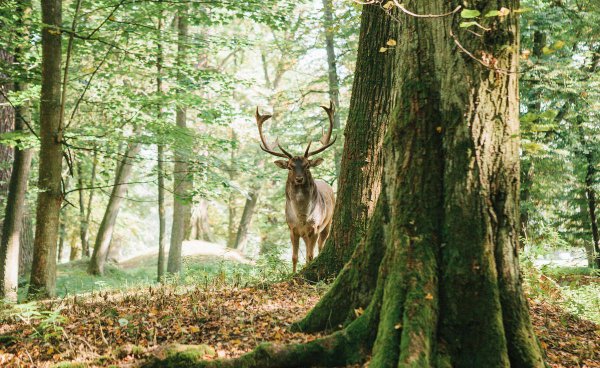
124 328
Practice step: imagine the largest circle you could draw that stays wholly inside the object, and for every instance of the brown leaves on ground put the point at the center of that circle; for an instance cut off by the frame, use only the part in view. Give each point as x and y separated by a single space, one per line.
123 328
116 328
568 340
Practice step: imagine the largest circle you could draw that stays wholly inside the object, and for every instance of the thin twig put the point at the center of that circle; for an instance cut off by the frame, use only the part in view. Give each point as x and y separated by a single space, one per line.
87 86
25 121
463 49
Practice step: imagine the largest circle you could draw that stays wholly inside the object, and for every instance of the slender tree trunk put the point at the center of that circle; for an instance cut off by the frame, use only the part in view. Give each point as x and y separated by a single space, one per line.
43 271
181 175
334 81
200 225
7 122
14 215
77 251
105 232
16 199
527 176
592 204
246 220
359 181
88 217
62 234
26 243
162 222
231 208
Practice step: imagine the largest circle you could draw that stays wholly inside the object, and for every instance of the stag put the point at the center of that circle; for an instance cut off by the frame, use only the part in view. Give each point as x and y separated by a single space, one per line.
308 202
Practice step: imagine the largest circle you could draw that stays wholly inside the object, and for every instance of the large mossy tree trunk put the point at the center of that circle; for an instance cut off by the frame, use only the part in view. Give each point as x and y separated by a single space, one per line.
359 183
182 184
117 196
43 270
448 291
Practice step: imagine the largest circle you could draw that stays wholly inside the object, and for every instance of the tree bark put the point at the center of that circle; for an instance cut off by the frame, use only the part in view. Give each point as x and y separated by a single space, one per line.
88 216
7 122
448 291
26 243
334 81
162 222
200 225
590 193
359 182
231 208
43 271
14 215
105 232
181 176
16 199
246 220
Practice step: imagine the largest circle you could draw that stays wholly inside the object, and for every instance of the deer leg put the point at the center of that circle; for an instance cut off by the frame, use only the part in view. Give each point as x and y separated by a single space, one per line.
310 241
295 246
323 236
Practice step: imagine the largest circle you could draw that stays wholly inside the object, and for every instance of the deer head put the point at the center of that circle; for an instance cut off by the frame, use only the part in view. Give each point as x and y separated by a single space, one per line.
298 166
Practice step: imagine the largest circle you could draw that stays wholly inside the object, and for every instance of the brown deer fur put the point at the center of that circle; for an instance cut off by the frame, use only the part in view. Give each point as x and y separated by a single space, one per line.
309 203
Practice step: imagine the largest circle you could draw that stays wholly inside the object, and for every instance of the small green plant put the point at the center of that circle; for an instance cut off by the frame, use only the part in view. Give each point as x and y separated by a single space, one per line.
46 324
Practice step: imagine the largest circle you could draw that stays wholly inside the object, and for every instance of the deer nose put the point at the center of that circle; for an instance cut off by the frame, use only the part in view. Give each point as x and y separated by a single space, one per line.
299 179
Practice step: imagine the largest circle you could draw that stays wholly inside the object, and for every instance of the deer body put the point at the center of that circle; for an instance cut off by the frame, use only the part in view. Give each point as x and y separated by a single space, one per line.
309 203
308 212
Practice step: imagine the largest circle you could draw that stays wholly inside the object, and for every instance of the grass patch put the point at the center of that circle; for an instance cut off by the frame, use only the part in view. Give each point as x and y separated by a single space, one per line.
575 289
72 277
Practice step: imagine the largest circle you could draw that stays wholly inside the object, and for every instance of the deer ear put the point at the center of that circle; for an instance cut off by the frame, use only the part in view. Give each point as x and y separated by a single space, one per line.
281 164
316 162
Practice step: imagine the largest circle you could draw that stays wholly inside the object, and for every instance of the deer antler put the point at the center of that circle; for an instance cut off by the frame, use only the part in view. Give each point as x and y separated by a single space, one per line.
260 119
326 137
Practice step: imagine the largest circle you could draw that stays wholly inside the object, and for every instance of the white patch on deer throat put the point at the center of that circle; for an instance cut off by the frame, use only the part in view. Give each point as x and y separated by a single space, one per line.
299 196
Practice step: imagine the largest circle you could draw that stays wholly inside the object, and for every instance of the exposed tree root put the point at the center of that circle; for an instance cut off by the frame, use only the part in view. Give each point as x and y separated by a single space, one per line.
348 346
354 287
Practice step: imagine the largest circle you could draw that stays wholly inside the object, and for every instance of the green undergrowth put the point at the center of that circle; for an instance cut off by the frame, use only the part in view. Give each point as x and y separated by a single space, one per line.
73 279
575 289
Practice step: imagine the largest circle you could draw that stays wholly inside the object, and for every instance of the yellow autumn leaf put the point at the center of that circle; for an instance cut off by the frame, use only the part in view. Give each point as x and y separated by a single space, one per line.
429 296
398 326
391 42
388 5
359 311
503 12
438 129
383 49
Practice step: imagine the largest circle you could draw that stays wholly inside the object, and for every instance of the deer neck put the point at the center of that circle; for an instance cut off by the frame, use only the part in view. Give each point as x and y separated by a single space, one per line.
302 197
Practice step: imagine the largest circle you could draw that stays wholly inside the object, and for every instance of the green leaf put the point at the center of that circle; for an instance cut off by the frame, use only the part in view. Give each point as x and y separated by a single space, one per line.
470 13
467 24
492 13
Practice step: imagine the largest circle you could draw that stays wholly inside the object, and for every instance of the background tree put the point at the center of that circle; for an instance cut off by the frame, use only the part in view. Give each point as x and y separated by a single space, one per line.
43 271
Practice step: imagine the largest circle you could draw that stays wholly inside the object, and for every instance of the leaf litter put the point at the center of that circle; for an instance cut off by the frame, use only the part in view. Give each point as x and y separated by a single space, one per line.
125 328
